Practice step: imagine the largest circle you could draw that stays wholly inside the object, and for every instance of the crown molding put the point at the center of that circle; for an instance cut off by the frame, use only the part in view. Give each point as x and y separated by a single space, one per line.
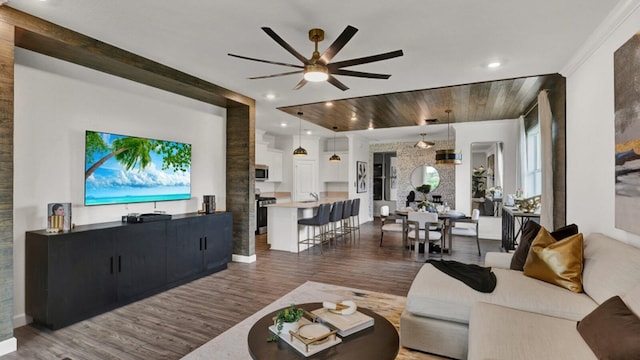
616 17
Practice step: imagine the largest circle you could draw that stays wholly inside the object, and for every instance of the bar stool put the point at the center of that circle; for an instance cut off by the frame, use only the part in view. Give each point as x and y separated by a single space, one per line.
319 221
346 216
355 216
334 217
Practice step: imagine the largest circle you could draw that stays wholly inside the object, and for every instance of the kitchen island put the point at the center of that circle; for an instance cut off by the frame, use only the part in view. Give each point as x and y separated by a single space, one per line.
282 223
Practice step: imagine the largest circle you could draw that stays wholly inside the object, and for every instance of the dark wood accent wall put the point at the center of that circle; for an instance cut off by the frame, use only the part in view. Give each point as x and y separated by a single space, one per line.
35 34
558 100
6 181
241 175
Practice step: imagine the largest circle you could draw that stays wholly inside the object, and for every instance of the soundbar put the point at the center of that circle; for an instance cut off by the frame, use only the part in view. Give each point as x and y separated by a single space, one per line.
147 217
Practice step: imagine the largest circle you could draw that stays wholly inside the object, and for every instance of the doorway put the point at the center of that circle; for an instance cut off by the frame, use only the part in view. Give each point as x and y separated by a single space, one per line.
385 184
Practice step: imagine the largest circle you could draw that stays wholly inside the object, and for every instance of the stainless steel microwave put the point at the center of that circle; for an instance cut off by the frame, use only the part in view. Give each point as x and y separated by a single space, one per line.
262 172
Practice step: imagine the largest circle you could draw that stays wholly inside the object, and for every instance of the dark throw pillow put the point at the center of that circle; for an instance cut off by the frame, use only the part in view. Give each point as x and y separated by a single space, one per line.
612 331
529 232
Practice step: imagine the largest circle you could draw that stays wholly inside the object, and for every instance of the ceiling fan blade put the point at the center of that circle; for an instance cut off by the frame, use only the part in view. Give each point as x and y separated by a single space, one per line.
335 82
275 75
284 44
338 44
300 84
360 74
267 61
364 60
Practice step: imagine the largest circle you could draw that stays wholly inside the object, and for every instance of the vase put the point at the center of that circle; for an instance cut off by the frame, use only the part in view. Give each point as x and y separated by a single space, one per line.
286 326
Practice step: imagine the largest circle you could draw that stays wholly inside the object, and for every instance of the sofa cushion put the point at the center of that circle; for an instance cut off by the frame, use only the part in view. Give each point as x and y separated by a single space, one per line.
437 295
556 262
496 332
611 267
612 331
529 232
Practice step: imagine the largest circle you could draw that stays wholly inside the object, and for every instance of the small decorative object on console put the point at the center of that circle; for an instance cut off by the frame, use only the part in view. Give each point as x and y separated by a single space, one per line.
530 204
58 217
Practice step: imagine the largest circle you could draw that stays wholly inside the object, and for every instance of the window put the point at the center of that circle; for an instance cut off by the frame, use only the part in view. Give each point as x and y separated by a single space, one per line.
533 184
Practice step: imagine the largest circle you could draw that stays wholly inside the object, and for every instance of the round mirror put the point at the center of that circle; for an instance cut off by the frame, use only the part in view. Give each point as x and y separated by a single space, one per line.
425 174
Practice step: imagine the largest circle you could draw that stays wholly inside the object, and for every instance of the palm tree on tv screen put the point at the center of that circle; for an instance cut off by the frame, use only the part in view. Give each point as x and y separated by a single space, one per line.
132 151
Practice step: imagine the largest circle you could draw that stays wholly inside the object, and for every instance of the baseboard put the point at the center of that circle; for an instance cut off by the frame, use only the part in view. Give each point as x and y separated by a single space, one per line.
21 320
8 346
243 258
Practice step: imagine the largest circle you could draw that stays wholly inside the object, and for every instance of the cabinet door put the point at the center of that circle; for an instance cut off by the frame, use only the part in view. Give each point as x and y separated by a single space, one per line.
218 241
82 276
275 165
185 243
142 258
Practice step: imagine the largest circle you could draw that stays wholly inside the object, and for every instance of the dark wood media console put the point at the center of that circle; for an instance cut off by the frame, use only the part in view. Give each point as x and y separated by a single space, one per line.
95 268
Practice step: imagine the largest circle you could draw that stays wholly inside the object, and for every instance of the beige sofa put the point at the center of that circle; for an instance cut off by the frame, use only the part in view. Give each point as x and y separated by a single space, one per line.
523 318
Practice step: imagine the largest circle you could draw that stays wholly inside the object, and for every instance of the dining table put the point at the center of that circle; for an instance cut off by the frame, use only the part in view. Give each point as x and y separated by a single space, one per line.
447 218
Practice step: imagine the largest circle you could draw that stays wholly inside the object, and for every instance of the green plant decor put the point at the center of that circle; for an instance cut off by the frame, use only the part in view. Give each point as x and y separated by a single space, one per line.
424 189
478 183
289 315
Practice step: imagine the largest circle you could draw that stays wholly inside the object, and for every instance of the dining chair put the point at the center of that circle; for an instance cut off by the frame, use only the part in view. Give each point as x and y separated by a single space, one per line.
420 233
467 226
390 223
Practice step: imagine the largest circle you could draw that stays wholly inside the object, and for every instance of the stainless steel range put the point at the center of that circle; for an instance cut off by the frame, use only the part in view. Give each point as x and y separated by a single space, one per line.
261 213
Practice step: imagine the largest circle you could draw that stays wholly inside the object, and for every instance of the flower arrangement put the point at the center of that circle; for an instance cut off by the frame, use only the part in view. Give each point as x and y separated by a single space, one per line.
286 315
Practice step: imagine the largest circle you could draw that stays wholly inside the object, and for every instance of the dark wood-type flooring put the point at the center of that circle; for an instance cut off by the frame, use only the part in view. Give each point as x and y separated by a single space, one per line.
171 324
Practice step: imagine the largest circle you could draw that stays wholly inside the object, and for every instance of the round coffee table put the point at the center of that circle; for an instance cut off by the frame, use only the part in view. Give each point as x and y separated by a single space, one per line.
380 341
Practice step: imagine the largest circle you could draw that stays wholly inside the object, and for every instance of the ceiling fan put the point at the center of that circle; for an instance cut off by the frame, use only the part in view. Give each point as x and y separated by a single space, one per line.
319 67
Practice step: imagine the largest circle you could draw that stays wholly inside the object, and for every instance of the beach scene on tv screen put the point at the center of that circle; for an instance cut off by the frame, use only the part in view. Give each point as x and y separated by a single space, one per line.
126 169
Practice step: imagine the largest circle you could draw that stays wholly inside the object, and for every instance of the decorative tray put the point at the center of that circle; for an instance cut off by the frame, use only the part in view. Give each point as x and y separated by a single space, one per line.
311 337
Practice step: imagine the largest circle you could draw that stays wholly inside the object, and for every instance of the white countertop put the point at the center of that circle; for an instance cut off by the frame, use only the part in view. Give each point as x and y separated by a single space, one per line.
306 204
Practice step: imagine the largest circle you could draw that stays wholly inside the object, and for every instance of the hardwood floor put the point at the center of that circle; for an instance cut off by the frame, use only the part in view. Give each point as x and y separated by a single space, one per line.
173 323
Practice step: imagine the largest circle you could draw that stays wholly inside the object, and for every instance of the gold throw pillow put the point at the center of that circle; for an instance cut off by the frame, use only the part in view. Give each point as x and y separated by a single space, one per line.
556 262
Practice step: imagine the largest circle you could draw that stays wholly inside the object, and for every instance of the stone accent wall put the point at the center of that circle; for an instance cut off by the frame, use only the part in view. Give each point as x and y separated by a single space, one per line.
409 158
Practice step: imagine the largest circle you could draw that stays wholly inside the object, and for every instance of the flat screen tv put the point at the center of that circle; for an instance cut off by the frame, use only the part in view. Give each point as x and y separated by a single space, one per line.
121 169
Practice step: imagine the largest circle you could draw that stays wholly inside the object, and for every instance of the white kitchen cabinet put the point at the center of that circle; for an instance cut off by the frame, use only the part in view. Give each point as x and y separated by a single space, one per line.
274 161
261 153
334 171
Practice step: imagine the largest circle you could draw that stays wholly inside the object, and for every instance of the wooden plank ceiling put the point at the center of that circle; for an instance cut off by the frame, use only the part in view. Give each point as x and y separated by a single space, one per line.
494 100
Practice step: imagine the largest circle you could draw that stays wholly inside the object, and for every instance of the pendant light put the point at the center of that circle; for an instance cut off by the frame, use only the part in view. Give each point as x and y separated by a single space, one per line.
334 157
300 151
448 156
423 144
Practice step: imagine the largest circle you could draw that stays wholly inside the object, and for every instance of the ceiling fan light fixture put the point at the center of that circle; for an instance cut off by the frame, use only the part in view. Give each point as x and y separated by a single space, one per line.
315 72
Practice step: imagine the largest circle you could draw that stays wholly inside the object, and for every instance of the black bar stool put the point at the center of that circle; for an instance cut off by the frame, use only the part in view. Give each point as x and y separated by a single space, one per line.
334 217
319 221
346 216
355 216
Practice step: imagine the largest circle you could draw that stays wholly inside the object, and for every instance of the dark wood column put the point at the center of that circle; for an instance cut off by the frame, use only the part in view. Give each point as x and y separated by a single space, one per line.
6 180
240 176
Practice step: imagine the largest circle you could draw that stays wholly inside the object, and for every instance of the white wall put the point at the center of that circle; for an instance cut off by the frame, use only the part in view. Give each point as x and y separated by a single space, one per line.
55 102
359 151
590 129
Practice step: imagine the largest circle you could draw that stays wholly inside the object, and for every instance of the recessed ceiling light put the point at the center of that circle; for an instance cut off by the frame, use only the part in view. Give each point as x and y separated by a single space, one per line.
283 124
354 118
370 126
270 96
493 65
307 131
328 103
